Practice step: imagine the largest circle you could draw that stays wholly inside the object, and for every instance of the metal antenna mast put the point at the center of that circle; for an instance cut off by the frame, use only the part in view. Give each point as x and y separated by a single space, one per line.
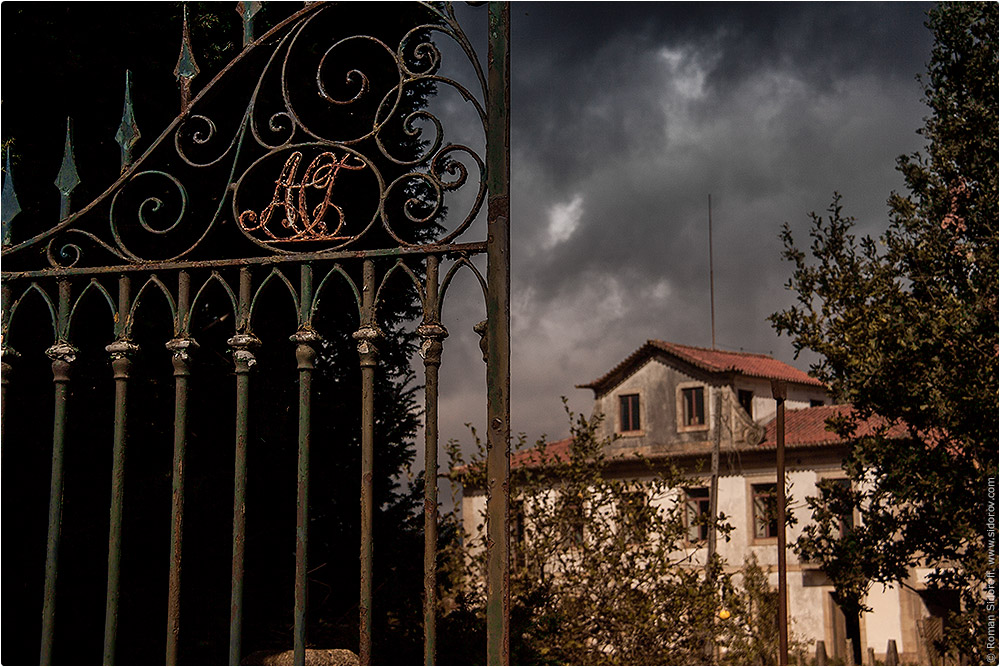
711 269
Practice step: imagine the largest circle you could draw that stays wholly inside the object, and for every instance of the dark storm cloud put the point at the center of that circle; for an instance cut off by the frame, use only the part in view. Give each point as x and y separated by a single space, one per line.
625 117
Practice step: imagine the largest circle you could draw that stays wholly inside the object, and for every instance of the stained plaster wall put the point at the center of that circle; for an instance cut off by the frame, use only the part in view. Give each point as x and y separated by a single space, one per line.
657 384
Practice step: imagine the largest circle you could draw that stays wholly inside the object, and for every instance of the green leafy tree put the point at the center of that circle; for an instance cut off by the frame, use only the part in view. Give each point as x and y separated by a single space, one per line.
905 327
603 572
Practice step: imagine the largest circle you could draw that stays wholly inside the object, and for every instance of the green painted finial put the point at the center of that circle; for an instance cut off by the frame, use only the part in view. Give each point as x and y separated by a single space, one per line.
186 68
68 178
128 132
9 205
247 10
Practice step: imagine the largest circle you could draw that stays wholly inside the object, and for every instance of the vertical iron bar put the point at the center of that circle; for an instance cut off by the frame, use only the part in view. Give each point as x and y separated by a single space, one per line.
432 333
242 344
180 347
6 354
366 337
121 352
778 390
498 339
63 355
305 354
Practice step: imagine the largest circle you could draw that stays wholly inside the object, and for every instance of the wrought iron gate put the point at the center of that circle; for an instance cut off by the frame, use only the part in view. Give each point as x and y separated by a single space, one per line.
237 205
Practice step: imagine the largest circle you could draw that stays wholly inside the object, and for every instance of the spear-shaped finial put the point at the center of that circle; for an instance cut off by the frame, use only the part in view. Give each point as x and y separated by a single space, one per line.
247 10
186 68
68 178
9 205
128 131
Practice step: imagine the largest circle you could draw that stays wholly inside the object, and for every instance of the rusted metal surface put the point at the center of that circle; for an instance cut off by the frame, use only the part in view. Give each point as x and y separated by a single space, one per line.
128 132
121 352
432 334
498 340
181 348
305 340
127 233
62 355
68 178
367 336
186 69
779 390
247 10
243 345
459 250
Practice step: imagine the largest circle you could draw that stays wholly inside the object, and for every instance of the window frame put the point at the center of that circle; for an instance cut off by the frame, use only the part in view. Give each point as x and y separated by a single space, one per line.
748 393
772 525
704 504
682 427
638 404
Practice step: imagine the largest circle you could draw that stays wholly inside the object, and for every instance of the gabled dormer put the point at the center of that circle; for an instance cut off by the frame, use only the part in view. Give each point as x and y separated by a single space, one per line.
664 397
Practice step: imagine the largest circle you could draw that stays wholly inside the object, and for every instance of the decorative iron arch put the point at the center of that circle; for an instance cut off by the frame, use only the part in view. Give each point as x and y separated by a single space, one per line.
307 177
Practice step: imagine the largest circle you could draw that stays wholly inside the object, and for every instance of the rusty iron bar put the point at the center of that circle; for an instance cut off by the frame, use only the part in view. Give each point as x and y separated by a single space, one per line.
68 178
180 347
63 355
432 334
242 344
366 336
247 10
498 339
305 354
186 68
7 354
121 352
779 390
128 132
454 249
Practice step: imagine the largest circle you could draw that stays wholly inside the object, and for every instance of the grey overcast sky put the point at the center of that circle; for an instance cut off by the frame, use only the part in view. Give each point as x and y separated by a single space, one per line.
625 118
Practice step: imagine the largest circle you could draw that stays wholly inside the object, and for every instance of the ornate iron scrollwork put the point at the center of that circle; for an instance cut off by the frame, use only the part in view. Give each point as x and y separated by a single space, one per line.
333 127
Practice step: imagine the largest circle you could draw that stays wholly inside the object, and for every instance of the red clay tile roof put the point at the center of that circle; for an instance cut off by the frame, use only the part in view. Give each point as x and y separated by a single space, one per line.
713 361
807 427
531 458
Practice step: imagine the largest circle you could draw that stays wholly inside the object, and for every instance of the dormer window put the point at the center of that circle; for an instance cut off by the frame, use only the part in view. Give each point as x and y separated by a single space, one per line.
693 404
629 413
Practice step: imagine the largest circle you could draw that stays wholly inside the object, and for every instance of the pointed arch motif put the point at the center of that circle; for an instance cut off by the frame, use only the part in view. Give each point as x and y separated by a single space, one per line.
336 269
400 265
171 303
446 283
185 326
8 319
97 286
275 274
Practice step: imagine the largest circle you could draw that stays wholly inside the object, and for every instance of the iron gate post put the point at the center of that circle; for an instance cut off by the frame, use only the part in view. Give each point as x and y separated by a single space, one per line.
498 339
63 355
180 348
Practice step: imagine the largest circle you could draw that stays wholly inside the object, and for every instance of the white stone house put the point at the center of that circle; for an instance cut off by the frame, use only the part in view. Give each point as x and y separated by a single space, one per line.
662 402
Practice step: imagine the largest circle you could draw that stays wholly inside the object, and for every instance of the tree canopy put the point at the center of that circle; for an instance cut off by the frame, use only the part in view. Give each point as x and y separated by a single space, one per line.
905 326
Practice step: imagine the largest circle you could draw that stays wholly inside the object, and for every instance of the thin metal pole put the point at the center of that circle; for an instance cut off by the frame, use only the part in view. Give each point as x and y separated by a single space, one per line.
366 337
121 352
433 335
713 512
242 345
63 355
180 347
498 339
305 354
711 270
778 390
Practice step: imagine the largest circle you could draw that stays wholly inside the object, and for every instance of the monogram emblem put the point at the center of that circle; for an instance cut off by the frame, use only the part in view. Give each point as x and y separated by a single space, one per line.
291 201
